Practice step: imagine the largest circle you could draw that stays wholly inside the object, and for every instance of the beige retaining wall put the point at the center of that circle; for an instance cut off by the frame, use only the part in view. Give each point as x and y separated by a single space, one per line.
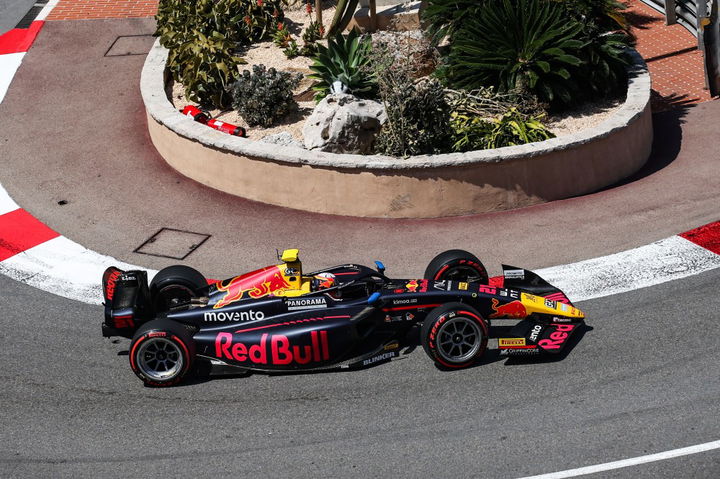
419 187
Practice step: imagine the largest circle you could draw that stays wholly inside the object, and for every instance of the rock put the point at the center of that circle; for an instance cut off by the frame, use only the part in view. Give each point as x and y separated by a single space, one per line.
342 123
283 138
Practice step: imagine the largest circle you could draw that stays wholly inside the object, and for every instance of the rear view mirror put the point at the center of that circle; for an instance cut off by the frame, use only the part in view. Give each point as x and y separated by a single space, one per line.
374 299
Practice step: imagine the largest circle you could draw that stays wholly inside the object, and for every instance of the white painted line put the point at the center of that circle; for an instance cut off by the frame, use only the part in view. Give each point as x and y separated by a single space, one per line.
665 260
63 267
608 466
6 203
46 10
9 64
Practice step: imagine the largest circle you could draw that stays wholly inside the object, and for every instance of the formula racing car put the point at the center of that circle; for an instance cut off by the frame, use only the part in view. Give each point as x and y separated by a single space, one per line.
279 319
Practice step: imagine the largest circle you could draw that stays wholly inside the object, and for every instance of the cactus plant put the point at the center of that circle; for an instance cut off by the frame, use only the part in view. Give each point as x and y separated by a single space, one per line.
343 15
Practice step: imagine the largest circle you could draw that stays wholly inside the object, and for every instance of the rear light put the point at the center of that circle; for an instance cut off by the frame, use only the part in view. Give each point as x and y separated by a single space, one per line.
123 321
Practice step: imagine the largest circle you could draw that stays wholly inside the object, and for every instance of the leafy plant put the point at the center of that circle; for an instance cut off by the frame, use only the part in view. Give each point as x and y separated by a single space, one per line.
606 57
206 68
240 21
526 45
472 132
346 59
265 95
418 118
608 15
282 37
313 32
292 50
343 14
446 17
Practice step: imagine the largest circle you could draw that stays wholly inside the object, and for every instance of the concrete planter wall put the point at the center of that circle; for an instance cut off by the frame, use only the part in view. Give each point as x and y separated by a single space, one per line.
419 187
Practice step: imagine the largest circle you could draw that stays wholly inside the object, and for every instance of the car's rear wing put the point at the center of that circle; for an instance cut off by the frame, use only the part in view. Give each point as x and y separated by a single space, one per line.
127 301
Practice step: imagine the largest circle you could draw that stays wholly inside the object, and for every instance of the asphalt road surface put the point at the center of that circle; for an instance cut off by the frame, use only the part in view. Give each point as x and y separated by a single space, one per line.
643 380
11 11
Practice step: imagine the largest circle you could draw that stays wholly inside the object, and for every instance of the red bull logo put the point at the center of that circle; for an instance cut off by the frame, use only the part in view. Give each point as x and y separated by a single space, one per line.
414 286
514 310
254 285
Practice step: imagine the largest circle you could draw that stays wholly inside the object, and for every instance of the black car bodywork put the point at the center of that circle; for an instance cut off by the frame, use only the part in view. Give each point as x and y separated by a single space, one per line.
365 318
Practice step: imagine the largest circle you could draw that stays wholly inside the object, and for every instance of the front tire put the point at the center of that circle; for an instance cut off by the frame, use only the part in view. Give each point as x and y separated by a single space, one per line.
457 265
162 352
454 336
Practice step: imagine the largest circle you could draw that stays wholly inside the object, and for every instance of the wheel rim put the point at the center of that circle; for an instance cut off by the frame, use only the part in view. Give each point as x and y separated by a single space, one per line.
459 340
160 359
463 273
171 296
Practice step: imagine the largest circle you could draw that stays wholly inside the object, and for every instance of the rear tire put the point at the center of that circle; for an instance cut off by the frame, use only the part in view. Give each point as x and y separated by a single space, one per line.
457 265
175 285
162 352
454 336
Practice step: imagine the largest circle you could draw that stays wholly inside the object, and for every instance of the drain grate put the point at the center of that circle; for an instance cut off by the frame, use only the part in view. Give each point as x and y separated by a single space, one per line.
172 243
31 15
127 45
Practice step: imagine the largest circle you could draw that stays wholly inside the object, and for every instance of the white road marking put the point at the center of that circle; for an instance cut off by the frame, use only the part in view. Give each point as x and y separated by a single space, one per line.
634 461
9 63
64 268
659 262
46 10
6 203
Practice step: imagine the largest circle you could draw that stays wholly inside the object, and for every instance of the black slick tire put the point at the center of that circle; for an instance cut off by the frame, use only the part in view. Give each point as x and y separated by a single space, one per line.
454 336
456 265
175 284
162 352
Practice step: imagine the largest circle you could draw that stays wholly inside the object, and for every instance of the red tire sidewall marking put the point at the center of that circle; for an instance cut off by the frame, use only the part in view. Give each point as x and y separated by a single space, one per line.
159 334
432 335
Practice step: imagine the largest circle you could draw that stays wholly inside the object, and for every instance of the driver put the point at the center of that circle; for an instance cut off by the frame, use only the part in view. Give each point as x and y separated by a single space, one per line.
322 281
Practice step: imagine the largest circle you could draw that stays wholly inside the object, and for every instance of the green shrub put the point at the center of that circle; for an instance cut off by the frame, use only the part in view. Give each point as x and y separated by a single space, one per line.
345 59
608 15
603 72
418 117
206 68
240 21
264 96
472 132
201 36
443 18
526 45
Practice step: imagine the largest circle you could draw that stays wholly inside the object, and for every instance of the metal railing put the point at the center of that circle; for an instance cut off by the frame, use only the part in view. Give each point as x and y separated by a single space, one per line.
699 17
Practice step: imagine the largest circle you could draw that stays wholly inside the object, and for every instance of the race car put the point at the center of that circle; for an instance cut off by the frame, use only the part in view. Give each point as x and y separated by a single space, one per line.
278 319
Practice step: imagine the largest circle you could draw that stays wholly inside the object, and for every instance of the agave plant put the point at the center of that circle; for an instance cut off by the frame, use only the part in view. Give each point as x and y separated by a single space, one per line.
524 45
346 59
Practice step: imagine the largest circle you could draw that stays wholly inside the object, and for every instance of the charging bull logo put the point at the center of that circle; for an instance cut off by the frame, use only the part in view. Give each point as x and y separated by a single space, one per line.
254 285
414 286
514 309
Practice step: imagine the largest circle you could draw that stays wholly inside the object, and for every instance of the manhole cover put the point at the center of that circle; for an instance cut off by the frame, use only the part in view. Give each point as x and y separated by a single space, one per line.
125 45
172 243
